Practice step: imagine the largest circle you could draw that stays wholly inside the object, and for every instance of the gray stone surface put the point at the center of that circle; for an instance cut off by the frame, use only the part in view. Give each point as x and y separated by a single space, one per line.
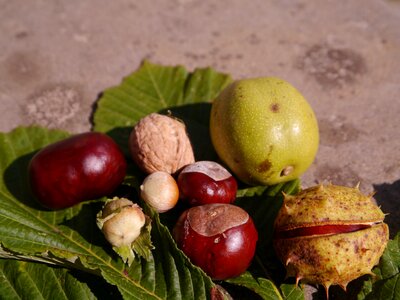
344 56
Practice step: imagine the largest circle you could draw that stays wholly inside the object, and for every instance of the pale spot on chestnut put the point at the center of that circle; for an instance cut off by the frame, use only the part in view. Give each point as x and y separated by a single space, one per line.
209 168
234 243
213 219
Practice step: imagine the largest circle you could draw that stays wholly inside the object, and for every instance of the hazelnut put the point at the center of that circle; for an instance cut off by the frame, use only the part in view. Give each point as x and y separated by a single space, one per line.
160 191
121 221
126 228
160 143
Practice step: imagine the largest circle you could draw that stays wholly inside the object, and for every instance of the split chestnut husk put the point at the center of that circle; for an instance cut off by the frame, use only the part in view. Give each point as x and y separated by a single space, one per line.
329 235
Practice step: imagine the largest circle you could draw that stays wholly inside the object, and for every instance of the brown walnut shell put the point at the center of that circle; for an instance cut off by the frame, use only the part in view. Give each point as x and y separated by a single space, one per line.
329 235
160 143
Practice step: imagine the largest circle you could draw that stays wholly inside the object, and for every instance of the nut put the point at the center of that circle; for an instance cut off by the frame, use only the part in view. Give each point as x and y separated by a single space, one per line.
219 238
126 228
160 191
160 143
206 182
121 222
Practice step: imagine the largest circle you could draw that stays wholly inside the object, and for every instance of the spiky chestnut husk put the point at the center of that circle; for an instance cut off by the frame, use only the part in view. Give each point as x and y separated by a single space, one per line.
329 235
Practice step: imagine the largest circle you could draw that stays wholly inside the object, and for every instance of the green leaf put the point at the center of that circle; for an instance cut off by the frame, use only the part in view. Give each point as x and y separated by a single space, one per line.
387 289
155 88
386 285
263 287
276 190
251 191
25 280
142 246
29 232
262 204
292 292
389 264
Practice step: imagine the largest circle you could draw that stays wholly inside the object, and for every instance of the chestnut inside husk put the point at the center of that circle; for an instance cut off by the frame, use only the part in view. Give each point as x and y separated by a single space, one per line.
329 235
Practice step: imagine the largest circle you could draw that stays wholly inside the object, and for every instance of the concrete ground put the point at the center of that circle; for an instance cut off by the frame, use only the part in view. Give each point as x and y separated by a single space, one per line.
344 56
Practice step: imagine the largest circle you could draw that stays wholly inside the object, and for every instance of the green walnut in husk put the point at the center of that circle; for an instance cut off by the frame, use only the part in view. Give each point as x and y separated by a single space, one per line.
329 235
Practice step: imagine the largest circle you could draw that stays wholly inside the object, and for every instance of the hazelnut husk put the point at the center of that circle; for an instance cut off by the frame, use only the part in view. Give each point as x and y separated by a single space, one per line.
329 235
126 228
160 143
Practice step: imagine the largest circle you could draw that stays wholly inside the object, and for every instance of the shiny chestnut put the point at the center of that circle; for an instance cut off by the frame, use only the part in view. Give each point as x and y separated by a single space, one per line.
206 182
219 238
82 167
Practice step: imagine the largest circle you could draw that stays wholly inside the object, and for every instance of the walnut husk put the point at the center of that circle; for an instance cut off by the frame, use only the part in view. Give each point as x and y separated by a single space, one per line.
160 143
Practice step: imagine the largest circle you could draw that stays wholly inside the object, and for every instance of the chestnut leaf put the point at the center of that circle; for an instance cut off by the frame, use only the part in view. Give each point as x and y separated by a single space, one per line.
70 238
155 88
142 246
263 203
27 280
386 285
263 287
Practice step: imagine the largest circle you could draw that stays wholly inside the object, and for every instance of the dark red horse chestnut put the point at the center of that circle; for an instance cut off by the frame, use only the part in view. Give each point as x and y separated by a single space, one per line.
82 167
219 238
206 182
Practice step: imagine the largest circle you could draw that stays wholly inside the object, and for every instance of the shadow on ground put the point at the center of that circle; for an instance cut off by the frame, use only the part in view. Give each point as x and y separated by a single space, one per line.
388 197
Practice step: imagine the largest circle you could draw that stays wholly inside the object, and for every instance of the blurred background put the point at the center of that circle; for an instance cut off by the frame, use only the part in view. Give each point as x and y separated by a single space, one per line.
344 56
